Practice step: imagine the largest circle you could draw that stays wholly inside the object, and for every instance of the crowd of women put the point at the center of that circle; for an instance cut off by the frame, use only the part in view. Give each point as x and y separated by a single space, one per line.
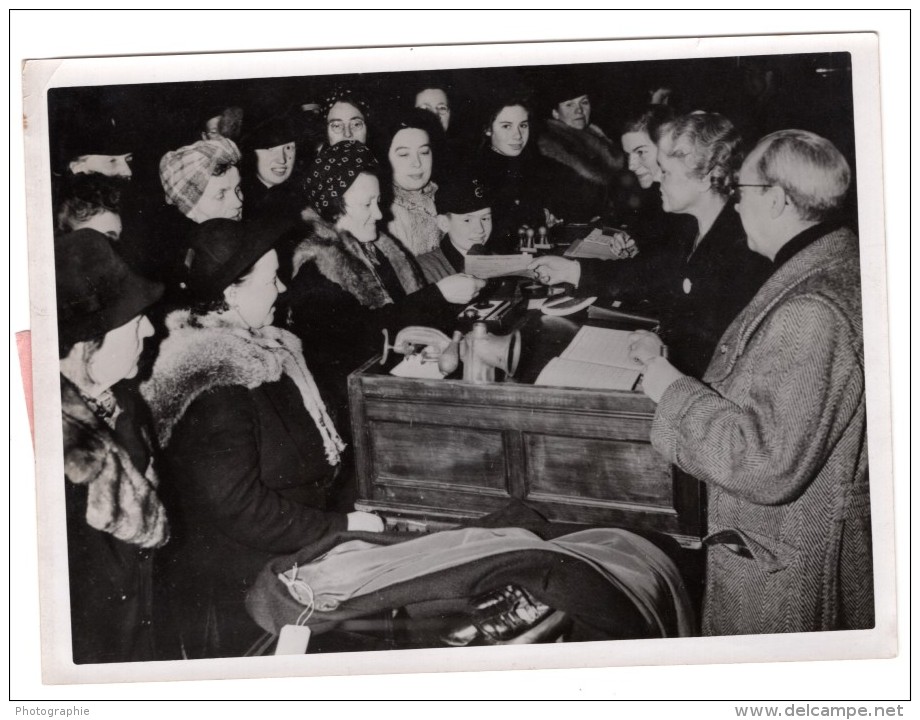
206 333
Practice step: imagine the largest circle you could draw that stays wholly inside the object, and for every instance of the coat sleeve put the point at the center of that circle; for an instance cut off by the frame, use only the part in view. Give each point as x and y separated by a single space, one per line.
215 460
767 440
338 333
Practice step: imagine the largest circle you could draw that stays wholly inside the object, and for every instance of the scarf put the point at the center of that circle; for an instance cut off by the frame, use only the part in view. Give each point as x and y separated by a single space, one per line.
202 353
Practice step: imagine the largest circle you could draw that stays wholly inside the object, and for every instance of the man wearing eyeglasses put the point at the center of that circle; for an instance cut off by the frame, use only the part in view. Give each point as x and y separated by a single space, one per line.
777 427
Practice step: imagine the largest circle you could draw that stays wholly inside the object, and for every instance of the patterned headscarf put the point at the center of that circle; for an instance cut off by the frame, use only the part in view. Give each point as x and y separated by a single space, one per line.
334 170
345 95
186 172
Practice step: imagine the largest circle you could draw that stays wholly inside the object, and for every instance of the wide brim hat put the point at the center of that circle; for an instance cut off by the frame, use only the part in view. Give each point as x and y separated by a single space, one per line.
222 250
96 289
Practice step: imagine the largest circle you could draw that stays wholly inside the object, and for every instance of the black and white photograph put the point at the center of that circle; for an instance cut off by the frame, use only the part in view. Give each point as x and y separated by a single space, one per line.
427 359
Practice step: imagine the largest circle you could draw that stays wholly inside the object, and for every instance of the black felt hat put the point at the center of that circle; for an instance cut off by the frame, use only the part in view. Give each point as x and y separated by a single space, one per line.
222 250
567 86
270 132
96 290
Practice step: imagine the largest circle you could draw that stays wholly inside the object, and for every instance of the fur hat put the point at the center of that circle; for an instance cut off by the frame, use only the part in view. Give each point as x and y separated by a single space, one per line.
186 172
96 290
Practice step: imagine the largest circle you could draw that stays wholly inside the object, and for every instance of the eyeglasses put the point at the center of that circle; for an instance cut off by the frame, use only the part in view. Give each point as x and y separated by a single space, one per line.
736 188
337 127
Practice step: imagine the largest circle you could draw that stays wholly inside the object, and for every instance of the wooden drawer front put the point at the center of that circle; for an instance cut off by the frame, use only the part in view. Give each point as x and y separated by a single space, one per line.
590 469
438 456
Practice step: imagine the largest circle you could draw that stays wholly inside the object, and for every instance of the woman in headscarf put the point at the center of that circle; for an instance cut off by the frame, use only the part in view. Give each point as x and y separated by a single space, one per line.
253 456
350 279
115 520
201 182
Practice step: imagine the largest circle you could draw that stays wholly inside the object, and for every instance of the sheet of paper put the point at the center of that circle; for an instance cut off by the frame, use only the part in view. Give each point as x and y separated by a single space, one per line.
490 266
412 366
601 346
560 372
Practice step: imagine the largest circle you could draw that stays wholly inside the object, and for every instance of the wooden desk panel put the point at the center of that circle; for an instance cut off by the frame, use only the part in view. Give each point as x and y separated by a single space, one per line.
440 451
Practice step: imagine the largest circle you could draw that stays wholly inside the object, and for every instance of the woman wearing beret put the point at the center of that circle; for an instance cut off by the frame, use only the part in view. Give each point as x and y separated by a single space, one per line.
252 454
351 280
269 183
115 520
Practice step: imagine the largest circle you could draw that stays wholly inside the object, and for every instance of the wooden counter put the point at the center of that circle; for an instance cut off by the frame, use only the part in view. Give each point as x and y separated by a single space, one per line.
434 452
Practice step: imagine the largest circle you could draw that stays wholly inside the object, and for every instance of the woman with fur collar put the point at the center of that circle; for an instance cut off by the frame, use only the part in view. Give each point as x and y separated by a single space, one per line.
115 520
349 279
252 455
580 163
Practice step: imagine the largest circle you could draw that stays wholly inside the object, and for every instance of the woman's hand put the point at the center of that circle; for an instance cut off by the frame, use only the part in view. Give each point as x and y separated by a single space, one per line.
366 522
552 270
551 220
645 345
460 289
622 245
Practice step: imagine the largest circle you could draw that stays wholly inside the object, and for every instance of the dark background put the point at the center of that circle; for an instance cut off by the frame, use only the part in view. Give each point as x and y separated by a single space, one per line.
758 93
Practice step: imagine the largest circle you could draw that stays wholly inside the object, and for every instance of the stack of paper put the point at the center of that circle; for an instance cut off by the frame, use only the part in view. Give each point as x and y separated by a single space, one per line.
596 358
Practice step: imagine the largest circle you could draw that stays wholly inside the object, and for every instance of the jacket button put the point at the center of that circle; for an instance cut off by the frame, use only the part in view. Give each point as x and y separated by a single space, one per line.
723 349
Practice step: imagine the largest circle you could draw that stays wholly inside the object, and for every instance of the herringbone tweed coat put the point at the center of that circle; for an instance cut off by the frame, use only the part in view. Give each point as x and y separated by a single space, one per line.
777 430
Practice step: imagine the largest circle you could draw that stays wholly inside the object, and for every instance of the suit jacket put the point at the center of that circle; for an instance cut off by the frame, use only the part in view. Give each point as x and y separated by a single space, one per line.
778 433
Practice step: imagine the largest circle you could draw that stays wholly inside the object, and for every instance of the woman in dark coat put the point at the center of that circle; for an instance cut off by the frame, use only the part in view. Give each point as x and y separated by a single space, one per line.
508 165
350 279
252 455
115 520
709 274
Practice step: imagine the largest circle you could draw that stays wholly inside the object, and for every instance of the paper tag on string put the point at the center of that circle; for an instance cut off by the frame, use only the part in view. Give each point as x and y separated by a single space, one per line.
293 640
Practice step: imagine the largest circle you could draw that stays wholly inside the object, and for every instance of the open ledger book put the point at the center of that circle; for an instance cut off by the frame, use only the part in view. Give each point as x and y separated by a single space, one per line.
596 358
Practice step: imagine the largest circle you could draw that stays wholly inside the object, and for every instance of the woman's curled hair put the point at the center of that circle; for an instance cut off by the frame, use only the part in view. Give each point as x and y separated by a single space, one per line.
708 144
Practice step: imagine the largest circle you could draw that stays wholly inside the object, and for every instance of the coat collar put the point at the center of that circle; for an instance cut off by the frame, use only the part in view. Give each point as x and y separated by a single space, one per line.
824 256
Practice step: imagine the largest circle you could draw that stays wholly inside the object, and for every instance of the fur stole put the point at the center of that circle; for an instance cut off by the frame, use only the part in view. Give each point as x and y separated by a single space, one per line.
588 152
339 258
204 353
120 499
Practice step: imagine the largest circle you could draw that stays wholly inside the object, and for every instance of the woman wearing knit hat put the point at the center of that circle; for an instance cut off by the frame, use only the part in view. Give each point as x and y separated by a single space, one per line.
349 279
253 458
115 520
202 182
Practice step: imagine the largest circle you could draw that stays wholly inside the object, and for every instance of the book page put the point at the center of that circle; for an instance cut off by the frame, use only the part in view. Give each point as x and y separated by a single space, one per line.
560 372
601 346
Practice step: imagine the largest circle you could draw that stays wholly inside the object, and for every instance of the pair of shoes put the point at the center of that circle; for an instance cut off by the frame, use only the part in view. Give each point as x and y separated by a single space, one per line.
500 616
